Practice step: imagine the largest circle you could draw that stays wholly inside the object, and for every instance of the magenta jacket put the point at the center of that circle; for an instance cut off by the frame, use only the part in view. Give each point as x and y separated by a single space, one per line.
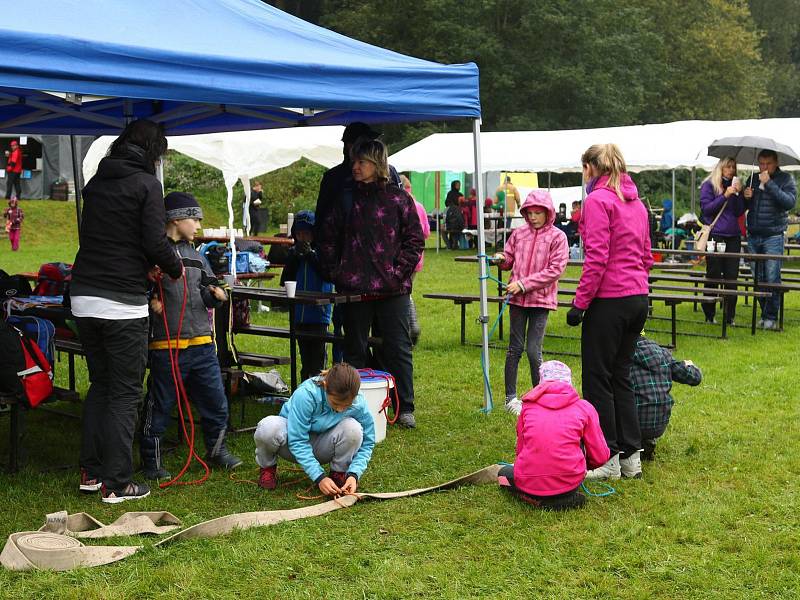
537 257
426 230
553 423
616 239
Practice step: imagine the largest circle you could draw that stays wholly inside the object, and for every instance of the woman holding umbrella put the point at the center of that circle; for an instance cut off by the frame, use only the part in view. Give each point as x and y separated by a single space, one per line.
612 294
721 204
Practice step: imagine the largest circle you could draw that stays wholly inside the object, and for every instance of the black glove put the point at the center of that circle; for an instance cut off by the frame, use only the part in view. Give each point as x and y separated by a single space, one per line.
574 316
302 248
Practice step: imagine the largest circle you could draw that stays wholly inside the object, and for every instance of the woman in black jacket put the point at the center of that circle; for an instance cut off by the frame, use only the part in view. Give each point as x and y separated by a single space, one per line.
122 237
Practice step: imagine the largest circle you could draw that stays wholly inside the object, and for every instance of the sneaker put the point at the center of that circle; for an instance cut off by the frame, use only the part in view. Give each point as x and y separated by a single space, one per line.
631 467
89 484
610 470
770 325
731 323
268 479
514 406
132 491
761 323
223 459
339 477
154 473
407 420
711 321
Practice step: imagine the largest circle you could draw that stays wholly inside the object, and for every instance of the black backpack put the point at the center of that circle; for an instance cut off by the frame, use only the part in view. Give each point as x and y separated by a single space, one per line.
13 286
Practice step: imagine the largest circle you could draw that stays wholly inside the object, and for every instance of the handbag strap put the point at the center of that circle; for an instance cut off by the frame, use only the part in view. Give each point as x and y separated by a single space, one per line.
719 214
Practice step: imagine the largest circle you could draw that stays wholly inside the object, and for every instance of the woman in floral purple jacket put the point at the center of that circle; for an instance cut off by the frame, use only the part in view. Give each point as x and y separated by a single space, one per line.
370 243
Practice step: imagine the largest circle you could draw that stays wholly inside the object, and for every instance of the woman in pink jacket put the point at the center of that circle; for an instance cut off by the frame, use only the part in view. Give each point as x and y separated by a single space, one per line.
550 464
611 300
537 254
413 320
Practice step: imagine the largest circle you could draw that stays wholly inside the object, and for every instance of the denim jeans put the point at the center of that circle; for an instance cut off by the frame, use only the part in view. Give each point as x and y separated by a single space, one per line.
768 271
203 382
533 319
116 355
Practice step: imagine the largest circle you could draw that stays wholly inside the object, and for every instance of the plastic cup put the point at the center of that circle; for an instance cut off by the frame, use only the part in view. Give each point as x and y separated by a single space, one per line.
721 246
711 246
291 288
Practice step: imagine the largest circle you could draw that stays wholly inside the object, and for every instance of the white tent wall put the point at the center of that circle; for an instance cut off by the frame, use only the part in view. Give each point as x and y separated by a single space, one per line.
666 146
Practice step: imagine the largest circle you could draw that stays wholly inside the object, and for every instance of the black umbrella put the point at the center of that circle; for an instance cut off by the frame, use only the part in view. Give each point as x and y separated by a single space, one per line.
745 149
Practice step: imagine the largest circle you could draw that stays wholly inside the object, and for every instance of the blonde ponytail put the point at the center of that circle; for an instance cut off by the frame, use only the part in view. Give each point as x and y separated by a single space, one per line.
607 159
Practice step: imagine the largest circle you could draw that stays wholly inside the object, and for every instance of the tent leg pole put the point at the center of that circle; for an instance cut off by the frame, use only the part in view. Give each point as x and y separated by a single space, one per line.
674 208
694 187
76 177
482 265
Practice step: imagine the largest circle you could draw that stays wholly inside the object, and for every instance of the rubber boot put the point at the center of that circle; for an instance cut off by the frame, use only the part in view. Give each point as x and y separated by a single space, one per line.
223 458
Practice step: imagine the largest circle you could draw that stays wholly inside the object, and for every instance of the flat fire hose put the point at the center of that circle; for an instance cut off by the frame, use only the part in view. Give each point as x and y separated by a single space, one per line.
47 550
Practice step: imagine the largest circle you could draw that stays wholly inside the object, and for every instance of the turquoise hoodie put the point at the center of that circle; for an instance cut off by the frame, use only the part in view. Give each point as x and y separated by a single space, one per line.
308 412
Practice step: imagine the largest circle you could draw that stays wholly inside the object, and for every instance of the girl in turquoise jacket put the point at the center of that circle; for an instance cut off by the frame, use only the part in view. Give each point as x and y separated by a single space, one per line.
325 421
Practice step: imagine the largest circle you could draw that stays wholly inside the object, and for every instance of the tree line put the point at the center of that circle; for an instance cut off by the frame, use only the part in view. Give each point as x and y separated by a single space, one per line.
565 64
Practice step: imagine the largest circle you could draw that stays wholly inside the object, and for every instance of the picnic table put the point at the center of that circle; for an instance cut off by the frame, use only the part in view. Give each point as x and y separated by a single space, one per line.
275 296
774 287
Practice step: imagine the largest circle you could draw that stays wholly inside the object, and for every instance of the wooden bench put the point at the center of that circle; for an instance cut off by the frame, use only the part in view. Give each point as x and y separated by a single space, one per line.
72 347
671 300
16 409
697 277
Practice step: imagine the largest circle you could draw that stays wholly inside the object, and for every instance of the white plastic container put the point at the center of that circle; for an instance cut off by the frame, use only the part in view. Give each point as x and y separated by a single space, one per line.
375 390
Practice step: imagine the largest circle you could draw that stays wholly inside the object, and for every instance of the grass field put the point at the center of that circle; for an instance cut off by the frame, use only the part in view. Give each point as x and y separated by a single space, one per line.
715 516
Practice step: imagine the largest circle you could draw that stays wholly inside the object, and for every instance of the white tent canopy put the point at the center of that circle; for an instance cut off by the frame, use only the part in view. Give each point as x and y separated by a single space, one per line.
667 146
244 154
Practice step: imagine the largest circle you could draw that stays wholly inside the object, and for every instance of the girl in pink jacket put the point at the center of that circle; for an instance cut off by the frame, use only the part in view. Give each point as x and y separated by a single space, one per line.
550 464
537 254
613 295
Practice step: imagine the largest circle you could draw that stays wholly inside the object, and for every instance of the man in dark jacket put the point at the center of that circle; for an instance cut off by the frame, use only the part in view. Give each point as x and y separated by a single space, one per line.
122 238
769 197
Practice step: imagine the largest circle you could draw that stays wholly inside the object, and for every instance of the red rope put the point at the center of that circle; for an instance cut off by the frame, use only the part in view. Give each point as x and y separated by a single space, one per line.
391 389
182 398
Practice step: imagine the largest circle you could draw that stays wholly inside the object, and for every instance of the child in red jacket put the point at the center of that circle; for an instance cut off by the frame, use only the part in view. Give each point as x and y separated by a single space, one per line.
554 422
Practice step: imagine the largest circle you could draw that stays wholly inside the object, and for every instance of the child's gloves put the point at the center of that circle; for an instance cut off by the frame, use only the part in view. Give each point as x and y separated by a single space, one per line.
302 248
574 316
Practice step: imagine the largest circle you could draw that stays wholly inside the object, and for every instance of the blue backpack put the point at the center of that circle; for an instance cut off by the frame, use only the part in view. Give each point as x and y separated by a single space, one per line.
41 331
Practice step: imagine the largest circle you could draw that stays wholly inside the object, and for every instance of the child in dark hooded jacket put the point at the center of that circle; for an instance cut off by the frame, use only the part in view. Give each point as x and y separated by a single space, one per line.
554 422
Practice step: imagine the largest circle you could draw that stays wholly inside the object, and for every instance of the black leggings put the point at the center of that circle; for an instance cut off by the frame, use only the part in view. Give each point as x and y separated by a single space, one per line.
572 499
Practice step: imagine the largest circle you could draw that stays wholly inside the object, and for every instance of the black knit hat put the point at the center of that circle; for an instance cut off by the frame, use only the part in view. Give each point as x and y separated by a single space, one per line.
180 205
357 130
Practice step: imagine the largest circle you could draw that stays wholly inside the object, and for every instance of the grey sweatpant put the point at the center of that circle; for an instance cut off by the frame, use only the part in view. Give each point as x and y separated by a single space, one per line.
337 446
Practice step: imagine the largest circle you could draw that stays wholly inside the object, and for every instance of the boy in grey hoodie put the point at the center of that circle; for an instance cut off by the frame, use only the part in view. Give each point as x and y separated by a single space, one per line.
197 357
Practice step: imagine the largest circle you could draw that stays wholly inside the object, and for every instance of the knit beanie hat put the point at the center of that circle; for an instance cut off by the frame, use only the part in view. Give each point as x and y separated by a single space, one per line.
303 220
180 205
555 370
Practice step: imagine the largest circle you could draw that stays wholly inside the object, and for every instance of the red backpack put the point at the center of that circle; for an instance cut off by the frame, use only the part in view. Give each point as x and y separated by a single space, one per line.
53 279
23 368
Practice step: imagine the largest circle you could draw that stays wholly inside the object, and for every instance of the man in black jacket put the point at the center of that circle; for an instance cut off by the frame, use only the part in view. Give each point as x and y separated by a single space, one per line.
122 238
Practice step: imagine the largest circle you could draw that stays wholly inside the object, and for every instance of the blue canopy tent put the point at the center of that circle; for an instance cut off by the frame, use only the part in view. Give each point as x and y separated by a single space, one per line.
201 66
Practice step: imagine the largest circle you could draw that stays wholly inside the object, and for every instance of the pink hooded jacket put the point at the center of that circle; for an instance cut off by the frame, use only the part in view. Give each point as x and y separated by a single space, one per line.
616 240
553 423
537 257
426 230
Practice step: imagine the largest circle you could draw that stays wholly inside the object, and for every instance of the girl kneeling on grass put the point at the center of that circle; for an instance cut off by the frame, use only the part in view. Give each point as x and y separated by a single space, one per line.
537 254
325 421
554 422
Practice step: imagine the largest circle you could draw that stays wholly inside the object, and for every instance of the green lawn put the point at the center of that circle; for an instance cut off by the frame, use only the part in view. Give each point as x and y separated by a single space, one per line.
714 517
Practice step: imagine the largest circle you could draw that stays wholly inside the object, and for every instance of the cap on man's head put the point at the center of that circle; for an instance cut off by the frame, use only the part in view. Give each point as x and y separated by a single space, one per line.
555 370
182 205
14 143
356 130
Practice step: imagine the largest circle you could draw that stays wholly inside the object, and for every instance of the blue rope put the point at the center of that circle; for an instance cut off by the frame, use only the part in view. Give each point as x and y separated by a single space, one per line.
609 490
484 369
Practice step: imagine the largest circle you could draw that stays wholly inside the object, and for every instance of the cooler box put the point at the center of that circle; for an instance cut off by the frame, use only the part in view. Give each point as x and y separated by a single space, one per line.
375 386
